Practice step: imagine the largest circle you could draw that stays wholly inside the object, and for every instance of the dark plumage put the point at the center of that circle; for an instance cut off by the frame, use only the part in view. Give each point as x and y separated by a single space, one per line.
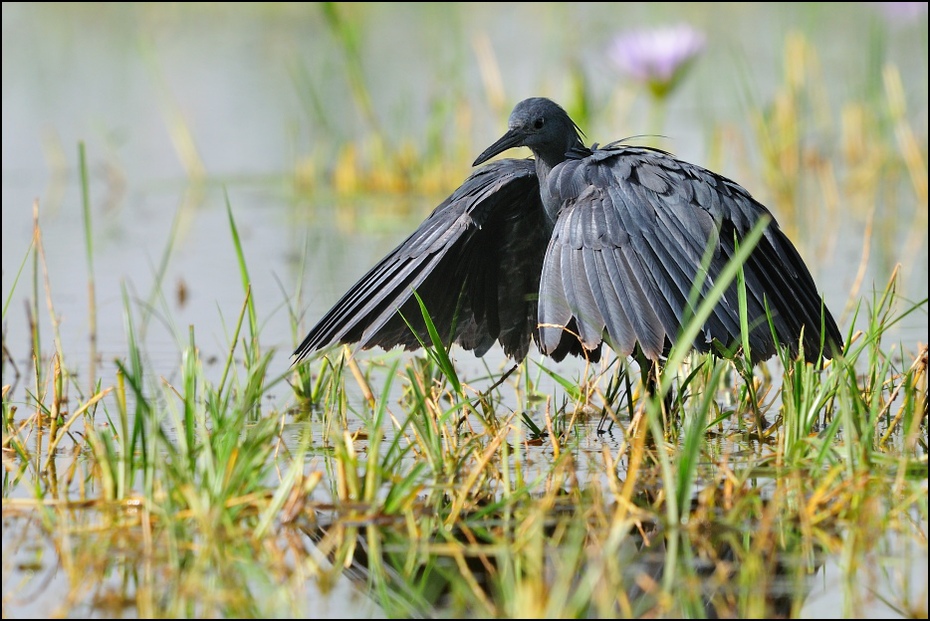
604 243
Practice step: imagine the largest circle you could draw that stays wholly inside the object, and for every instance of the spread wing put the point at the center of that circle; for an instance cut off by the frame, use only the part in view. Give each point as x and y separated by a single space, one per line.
475 262
628 246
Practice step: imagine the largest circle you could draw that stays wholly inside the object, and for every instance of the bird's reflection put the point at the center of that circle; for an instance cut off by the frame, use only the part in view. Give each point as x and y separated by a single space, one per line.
478 566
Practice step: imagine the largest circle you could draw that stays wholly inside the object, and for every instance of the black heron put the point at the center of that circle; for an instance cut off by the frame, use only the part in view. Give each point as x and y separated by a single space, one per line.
579 246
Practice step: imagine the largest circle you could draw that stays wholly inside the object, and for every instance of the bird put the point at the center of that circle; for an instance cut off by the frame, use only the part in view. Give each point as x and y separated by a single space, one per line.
578 247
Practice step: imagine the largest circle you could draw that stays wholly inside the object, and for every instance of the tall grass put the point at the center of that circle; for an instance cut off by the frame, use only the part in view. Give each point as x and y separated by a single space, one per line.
181 473
758 524
446 505
436 501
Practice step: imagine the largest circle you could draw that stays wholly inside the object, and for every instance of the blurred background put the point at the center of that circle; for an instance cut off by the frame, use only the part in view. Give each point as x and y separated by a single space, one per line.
330 130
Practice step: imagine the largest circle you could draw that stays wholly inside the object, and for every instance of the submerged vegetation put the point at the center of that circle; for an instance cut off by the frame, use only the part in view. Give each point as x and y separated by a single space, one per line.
527 491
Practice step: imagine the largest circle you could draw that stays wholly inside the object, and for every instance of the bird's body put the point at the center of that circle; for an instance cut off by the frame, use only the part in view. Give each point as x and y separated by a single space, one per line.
581 246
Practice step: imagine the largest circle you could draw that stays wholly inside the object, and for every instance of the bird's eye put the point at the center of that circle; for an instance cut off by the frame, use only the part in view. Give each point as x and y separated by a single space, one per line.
538 123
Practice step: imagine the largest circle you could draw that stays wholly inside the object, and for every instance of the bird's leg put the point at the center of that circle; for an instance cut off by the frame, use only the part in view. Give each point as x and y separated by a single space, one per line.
613 396
745 370
502 379
484 397
649 373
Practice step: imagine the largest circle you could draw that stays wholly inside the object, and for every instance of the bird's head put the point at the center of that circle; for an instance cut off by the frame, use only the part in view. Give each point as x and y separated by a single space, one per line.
540 124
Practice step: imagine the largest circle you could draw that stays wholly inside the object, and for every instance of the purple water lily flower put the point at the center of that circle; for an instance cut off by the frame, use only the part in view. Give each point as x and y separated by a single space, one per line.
657 57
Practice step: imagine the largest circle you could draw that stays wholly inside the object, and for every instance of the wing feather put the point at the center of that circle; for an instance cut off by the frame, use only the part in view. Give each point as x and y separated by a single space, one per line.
630 245
475 262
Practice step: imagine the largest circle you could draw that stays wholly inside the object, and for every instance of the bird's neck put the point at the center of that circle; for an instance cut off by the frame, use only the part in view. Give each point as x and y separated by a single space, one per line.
544 165
551 155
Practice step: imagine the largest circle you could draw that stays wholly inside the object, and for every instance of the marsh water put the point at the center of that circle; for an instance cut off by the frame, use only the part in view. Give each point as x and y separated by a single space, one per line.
183 111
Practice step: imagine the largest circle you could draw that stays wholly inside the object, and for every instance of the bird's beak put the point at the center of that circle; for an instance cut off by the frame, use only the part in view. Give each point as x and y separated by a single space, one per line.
513 138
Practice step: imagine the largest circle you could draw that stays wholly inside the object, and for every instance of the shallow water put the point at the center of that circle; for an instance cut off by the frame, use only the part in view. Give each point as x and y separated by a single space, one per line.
154 94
